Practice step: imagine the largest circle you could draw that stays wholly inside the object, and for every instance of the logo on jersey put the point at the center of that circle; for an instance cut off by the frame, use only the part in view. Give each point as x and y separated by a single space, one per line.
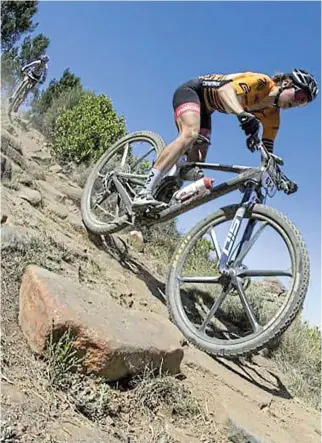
245 87
211 84
261 84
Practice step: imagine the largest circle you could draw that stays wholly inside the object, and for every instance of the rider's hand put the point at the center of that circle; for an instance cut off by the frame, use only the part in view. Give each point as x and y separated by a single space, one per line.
289 187
249 123
252 142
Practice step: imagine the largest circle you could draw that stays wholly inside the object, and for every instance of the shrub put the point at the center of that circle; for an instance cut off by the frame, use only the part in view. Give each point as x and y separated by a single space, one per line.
66 100
299 357
84 132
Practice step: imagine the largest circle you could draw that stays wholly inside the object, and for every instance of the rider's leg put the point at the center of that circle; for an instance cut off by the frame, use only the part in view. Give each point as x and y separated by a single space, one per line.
198 153
186 103
188 125
19 87
199 150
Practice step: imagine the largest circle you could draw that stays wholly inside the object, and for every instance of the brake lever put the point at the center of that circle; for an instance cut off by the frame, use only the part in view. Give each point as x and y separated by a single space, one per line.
277 159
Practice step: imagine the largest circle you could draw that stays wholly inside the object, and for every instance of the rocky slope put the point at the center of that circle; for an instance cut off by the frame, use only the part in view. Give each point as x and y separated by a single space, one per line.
58 278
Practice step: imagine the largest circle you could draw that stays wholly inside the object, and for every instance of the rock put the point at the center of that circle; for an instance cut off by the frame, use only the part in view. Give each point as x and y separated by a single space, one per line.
8 139
41 157
4 218
14 237
6 168
238 434
36 171
58 209
49 192
55 169
135 239
11 130
13 151
31 195
76 222
26 180
70 189
114 342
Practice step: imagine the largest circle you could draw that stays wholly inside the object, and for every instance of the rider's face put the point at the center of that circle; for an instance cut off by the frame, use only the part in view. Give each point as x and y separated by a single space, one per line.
291 98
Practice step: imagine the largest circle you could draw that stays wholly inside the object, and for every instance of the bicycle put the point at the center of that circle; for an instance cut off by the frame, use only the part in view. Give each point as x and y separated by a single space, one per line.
106 208
20 94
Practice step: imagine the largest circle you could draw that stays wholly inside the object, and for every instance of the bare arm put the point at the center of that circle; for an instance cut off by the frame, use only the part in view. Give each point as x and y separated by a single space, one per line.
229 98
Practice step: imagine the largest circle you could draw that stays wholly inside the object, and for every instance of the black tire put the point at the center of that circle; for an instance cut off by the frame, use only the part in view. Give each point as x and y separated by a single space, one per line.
16 102
91 222
279 323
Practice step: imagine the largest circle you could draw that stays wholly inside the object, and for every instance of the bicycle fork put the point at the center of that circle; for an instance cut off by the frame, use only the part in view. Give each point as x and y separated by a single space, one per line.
250 198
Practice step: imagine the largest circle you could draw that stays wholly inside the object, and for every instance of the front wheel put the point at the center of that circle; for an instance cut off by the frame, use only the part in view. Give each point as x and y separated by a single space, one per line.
18 96
237 314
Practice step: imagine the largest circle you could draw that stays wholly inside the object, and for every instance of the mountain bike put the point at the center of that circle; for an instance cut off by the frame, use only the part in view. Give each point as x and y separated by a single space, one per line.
212 272
21 92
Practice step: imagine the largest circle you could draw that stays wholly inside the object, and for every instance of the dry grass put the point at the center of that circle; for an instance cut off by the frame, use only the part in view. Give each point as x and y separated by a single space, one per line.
154 392
299 357
61 359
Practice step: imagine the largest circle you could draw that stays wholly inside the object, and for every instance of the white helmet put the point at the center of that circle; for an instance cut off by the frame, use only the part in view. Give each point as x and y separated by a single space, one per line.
44 58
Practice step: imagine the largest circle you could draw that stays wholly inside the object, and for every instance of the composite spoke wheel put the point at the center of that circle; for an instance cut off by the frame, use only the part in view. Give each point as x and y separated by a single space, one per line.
129 159
240 313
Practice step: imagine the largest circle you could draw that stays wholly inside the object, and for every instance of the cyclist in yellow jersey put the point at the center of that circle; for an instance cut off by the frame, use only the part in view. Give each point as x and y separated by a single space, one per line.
254 98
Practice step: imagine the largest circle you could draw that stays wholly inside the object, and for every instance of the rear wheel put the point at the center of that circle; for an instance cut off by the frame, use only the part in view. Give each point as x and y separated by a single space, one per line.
103 210
18 96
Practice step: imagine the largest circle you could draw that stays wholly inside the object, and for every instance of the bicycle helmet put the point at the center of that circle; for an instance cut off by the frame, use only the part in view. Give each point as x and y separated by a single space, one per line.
304 80
44 58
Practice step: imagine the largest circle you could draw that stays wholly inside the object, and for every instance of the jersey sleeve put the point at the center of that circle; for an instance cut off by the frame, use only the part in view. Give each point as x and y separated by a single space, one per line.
34 63
270 120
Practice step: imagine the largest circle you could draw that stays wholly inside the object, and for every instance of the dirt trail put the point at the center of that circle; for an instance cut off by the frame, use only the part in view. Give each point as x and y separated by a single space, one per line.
251 394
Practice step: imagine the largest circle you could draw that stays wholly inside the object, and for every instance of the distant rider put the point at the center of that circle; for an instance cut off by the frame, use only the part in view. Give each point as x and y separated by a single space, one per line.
34 72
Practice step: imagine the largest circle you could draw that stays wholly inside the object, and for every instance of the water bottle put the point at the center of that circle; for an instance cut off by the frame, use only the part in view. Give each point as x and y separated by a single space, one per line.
199 187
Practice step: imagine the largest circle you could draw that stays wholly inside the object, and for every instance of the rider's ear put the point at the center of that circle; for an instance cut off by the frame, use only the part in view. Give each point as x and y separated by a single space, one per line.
287 83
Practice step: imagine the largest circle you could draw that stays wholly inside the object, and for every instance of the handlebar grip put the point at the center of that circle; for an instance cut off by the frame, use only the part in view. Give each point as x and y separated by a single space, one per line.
252 142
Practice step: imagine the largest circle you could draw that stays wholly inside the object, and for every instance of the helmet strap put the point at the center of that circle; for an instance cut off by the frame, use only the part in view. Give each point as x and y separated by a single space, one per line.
280 90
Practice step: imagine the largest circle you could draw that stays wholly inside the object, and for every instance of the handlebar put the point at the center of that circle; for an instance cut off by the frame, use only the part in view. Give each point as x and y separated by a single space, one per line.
255 144
282 181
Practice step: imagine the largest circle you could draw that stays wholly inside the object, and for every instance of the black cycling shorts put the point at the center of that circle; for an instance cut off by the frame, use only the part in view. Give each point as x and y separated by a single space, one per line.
189 97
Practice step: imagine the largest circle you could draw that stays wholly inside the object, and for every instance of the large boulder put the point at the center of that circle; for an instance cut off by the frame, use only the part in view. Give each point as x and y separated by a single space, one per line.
115 342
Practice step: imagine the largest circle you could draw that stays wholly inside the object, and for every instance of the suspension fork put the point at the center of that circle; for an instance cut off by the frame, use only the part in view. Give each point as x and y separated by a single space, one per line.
249 198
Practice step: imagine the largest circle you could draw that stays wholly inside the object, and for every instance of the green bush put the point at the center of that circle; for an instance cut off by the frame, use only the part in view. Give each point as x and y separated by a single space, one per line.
84 132
67 82
66 100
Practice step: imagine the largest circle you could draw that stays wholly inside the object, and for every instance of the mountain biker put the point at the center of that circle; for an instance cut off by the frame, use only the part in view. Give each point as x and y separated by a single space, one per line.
253 97
39 66
37 69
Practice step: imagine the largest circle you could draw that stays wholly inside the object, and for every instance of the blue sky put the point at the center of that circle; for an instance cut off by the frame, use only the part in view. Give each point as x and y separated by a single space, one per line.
139 52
